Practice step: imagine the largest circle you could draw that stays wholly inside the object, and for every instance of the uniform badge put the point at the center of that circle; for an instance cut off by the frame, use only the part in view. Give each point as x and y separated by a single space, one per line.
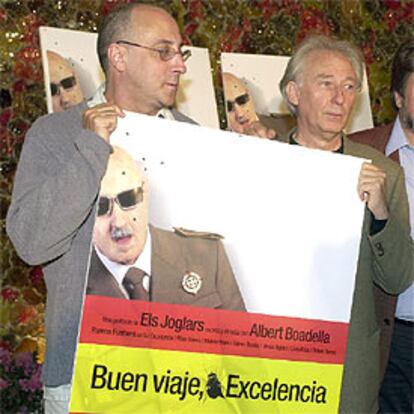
192 283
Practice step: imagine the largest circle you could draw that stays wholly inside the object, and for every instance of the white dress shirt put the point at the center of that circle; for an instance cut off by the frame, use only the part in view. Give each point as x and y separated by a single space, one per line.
398 141
118 270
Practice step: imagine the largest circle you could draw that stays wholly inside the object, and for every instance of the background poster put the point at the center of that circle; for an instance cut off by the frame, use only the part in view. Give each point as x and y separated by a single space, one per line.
261 75
294 264
196 97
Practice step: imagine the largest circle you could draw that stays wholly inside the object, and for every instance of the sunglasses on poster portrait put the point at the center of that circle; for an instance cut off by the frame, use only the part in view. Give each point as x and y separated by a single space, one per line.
240 100
126 200
66 84
166 52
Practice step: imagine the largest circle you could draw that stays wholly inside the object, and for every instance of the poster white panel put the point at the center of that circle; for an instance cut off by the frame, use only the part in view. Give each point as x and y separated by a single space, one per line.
291 217
262 74
196 96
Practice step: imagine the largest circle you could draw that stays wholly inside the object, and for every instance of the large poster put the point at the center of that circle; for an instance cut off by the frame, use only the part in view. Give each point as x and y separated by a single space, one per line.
245 280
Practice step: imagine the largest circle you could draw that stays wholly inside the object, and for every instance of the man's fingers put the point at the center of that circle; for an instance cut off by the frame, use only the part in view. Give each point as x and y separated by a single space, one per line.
102 119
271 133
370 170
259 130
371 189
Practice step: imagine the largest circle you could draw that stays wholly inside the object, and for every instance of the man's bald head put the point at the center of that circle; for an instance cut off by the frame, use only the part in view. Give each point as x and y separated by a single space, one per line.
118 23
64 83
233 86
122 172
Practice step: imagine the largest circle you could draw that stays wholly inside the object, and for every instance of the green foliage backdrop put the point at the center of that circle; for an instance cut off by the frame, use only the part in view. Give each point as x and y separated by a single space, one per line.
257 26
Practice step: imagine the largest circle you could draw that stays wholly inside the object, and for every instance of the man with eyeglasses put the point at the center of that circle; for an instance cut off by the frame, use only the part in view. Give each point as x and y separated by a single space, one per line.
64 84
178 267
64 157
142 65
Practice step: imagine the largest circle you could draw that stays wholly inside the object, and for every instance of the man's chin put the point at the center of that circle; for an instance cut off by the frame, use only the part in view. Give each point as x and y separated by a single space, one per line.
333 128
168 103
169 98
123 259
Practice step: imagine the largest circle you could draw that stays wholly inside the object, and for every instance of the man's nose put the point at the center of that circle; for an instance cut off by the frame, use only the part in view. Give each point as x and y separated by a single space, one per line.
339 95
118 216
64 95
239 110
178 63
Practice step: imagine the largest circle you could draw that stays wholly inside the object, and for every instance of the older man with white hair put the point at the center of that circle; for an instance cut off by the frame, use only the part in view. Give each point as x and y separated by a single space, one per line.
320 85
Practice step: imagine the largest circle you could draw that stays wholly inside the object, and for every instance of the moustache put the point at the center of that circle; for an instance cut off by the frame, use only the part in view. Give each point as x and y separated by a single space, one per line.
119 233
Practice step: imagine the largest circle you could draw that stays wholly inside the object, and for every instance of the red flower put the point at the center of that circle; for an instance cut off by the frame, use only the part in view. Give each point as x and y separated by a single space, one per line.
392 4
19 86
196 10
26 314
232 39
108 5
293 8
27 64
36 274
31 23
246 25
368 55
392 19
312 21
269 7
190 29
9 294
5 346
408 12
5 117
20 127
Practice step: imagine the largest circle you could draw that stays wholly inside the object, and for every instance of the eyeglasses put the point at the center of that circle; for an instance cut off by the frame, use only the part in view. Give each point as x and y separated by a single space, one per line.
166 53
126 200
240 100
66 84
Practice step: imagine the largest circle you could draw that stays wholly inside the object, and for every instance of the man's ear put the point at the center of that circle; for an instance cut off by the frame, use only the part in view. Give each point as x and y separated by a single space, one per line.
293 92
117 57
398 99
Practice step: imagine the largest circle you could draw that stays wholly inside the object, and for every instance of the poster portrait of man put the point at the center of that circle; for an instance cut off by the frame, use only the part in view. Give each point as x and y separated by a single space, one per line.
241 110
132 259
260 76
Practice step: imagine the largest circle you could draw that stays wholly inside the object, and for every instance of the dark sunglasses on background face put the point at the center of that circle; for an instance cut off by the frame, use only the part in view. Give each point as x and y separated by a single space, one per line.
126 200
66 84
166 53
240 100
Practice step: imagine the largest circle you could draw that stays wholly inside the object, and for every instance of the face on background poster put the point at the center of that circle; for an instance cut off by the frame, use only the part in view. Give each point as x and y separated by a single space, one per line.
65 89
195 98
251 89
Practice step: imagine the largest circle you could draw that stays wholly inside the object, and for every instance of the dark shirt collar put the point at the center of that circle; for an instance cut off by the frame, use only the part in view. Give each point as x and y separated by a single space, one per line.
292 141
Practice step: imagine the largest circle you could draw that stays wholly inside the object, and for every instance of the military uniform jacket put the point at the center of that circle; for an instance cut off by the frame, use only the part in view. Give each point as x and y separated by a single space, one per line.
173 256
